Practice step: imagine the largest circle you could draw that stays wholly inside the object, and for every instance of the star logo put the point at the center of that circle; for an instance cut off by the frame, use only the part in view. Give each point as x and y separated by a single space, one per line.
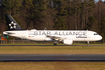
12 25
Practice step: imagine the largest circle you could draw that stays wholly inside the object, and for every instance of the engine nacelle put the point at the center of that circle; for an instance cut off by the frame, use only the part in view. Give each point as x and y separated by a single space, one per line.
68 41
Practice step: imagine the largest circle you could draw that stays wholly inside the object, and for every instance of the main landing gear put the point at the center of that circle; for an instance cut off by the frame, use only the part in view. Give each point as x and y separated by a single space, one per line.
55 43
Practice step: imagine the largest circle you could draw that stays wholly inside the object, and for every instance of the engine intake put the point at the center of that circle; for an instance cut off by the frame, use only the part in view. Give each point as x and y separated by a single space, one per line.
68 41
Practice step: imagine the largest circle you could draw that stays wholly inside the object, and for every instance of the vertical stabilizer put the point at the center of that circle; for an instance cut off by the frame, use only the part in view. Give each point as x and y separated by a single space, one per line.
12 24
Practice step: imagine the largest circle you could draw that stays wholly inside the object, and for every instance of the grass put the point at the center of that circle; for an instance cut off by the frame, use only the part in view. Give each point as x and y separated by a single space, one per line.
81 49
52 65
52 50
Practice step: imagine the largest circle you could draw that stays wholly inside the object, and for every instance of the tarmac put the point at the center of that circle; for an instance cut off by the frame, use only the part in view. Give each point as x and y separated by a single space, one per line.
51 57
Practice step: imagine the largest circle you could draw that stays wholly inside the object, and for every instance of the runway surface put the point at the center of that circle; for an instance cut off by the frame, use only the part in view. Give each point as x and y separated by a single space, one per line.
51 57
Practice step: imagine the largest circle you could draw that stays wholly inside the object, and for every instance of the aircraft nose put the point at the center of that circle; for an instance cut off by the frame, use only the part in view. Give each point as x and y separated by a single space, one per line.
100 37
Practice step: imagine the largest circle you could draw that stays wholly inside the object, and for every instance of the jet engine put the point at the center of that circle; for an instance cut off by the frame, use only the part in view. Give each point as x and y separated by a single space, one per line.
68 41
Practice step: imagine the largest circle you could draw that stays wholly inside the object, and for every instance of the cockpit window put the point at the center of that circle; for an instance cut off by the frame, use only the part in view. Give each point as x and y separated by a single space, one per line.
95 34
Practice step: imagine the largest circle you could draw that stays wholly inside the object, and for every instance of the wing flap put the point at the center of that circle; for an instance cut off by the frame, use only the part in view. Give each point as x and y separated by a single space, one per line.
57 38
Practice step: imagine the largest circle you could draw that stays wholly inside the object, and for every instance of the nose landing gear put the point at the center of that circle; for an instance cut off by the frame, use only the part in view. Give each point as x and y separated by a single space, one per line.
88 44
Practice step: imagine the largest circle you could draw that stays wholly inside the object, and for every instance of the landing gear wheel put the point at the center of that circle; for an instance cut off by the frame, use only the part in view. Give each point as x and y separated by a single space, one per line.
55 44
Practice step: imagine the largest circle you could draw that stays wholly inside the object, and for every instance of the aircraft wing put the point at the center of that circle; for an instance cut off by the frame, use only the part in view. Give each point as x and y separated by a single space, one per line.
65 40
57 38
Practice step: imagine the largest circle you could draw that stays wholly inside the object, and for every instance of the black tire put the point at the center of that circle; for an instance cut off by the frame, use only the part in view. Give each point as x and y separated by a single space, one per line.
55 44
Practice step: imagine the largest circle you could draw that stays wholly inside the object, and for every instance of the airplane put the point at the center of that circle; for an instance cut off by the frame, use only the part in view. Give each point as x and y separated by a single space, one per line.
65 36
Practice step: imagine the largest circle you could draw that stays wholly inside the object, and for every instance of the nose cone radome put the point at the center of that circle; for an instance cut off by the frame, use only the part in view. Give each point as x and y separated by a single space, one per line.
100 37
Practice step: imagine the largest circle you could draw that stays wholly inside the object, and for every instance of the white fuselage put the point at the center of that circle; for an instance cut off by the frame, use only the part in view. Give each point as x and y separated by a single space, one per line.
49 35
